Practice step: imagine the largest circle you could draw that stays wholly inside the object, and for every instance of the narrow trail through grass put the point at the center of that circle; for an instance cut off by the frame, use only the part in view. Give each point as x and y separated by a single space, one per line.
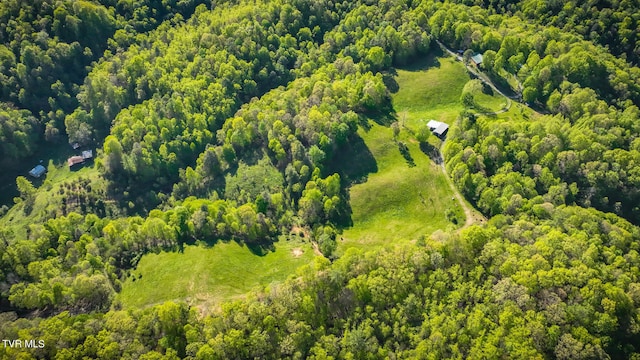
485 79
431 89
472 216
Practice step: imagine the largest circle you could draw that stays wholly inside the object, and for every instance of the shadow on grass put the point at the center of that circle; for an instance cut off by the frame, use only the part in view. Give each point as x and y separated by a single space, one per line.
486 89
432 152
406 154
261 249
484 111
389 79
385 118
383 114
363 121
391 83
77 167
353 161
502 84
258 249
425 61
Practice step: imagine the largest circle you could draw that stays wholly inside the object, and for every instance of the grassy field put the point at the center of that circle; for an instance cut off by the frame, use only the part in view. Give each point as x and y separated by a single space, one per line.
405 197
401 201
430 89
207 276
489 103
518 112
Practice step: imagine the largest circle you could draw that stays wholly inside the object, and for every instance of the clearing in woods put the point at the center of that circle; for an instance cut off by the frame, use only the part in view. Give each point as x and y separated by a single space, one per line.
398 194
206 276
405 194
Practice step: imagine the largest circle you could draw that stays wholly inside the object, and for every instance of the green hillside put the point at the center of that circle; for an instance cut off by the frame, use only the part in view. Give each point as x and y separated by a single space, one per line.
405 199
206 277
430 89
264 184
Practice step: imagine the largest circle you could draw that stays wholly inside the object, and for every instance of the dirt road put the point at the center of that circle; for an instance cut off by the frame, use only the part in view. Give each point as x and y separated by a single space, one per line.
471 216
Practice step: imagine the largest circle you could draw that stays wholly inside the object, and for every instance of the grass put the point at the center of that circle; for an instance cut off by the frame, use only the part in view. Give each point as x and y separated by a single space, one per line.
430 89
406 197
487 102
54 158
49 154
516 114
252 180
206 276
400 202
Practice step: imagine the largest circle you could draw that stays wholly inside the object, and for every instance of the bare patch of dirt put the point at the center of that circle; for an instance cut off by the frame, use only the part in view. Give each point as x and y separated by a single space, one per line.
209 304
297 252
297 230
316 249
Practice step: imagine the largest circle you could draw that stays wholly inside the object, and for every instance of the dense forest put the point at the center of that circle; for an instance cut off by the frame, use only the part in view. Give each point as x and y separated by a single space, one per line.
46 49
223 121
613 24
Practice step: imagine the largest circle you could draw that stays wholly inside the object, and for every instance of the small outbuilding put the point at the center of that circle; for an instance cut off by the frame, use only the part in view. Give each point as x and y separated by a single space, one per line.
438 128
75 160
87 154
38 171
432 124
477 59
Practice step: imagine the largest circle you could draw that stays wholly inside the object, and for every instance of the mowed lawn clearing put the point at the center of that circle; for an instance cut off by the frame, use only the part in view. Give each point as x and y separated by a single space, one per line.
207 276
399 202
490 103
430 89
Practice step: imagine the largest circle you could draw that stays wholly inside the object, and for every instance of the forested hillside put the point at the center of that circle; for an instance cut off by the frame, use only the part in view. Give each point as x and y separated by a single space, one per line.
613 24
46 48
243 122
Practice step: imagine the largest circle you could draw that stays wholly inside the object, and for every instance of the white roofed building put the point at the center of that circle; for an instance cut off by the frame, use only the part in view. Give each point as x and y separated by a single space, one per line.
438 128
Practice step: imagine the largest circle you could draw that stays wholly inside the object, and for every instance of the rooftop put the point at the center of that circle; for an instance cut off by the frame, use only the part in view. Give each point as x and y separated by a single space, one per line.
441 130
432 124
75 160
438 128
38 171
